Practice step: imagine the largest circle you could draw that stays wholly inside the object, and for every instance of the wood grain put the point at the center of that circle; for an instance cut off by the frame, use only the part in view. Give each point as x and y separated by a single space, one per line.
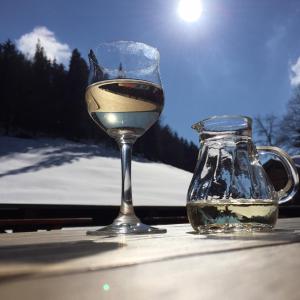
67 264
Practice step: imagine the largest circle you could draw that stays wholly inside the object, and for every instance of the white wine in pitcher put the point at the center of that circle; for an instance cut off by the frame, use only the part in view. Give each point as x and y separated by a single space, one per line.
227 215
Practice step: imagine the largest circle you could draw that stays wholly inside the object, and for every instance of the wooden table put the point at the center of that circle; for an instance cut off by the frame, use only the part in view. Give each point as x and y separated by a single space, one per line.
67 264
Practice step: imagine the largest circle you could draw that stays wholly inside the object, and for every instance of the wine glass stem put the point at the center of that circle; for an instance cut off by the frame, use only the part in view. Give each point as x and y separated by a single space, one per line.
126 200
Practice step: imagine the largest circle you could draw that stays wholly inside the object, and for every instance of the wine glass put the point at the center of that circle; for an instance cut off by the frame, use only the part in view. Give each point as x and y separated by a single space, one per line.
125 98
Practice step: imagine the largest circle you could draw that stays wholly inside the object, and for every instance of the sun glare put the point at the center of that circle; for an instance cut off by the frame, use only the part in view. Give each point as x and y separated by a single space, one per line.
190 10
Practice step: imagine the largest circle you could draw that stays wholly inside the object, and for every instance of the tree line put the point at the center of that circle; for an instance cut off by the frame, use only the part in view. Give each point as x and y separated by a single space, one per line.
282 131
39 97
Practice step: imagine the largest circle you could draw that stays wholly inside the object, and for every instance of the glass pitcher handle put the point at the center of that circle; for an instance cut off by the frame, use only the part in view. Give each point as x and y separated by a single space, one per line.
291 188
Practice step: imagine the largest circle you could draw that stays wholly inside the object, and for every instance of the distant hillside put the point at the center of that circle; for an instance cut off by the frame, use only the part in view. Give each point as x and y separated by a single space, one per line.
42 98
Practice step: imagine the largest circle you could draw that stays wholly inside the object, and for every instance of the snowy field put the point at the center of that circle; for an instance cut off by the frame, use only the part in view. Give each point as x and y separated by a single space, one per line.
56 171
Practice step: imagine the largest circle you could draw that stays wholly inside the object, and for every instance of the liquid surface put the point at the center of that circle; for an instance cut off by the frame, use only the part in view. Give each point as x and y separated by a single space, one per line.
124 106
215 216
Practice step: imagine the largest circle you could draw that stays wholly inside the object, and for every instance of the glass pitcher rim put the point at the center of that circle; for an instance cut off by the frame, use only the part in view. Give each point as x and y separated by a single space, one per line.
200 126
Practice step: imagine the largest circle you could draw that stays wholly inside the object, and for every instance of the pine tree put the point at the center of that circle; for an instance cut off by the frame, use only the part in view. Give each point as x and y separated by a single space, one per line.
40 102
58 87
14 79
74 107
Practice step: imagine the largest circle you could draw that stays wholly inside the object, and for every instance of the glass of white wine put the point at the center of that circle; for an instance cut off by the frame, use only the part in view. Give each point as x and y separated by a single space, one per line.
125 98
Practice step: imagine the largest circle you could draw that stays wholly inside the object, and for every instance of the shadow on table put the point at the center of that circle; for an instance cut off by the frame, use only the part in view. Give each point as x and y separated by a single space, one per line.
54 252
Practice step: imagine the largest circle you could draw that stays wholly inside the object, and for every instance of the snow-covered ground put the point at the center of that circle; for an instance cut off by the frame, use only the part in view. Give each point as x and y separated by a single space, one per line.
56 171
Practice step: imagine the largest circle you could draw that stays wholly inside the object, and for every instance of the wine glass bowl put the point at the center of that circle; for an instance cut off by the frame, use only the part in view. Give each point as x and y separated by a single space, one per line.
125 98
124 107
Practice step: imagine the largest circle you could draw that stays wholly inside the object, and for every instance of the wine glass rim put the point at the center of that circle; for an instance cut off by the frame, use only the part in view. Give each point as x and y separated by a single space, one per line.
123 48
112 42
116 42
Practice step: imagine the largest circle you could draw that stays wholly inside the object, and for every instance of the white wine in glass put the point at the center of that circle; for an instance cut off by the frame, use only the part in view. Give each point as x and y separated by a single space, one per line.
124 106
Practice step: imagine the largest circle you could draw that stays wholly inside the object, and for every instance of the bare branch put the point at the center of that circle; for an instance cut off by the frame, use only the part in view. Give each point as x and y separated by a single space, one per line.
266 129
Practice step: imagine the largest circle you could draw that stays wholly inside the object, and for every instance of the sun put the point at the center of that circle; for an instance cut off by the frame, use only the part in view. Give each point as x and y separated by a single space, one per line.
190 10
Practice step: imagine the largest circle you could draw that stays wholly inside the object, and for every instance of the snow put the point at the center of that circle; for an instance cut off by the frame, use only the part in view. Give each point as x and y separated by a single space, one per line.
57 171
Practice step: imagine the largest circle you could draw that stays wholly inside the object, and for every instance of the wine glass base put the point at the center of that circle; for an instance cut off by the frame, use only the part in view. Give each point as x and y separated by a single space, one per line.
125 228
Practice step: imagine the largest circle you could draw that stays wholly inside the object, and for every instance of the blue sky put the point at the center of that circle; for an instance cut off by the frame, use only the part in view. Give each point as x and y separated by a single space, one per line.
236 59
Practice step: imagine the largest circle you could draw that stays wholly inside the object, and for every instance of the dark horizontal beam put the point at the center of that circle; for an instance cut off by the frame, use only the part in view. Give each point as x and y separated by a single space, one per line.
31 217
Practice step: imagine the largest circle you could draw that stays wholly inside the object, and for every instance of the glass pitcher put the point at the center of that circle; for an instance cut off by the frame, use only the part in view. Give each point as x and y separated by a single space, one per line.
230 191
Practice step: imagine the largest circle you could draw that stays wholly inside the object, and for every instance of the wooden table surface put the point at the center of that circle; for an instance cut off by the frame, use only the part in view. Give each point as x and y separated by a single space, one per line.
68 264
